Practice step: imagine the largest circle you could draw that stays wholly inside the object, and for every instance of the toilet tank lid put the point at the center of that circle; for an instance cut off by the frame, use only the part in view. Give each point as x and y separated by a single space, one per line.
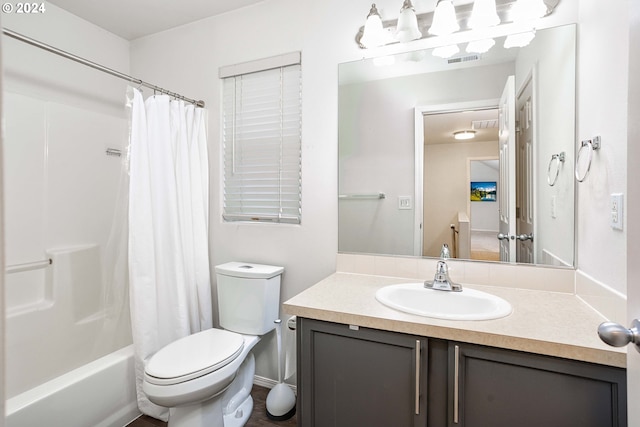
249 270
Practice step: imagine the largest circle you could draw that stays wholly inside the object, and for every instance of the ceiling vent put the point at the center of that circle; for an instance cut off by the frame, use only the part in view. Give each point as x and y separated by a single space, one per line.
466 58
484 124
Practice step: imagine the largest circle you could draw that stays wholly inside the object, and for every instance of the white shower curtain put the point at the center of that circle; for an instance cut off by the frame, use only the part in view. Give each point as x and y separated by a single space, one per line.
170 289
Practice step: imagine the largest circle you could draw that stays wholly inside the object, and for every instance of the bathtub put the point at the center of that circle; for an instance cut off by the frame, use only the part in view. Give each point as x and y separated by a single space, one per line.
68 351
101 393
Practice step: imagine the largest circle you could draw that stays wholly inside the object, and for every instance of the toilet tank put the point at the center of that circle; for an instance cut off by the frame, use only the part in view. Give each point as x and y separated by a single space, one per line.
248 297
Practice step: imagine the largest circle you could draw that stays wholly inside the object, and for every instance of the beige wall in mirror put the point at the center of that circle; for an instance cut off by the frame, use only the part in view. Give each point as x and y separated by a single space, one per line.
397 116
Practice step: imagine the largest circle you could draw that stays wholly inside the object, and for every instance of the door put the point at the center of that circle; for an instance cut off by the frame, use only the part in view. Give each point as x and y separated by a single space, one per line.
506 186
525 249
633 205
353 377
2 330
491 387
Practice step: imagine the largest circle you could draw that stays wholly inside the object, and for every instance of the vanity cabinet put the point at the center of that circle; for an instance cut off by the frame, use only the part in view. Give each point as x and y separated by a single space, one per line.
359 377
350 377
504 388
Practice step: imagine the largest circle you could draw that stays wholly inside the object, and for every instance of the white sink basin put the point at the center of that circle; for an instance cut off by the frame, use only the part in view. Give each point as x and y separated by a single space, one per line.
469 304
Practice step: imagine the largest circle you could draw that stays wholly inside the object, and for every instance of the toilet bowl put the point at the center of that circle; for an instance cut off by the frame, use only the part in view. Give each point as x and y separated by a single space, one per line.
189 372
206 378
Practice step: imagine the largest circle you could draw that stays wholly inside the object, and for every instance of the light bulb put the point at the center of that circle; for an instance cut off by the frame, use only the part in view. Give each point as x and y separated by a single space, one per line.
519 40
374 33
446 51
464 134
444 19
407 28
480 46
483 14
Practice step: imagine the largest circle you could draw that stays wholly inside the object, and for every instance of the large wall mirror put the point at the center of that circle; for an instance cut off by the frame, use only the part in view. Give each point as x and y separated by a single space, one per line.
407 185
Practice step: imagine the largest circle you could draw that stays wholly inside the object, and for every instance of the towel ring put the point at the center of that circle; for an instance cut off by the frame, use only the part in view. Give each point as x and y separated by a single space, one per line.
588 145
559 158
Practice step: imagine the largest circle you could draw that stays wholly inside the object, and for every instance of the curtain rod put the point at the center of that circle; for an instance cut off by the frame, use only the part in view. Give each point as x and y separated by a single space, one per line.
96 66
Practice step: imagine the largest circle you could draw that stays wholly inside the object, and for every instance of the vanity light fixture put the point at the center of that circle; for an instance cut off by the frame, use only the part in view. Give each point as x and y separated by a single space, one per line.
407 29
484 14
446 52
523 12
464 134
480 46
527 10
374 34
444 19
519 40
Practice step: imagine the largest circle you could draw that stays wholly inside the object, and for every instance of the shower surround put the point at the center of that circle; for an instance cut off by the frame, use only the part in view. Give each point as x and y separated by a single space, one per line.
67 325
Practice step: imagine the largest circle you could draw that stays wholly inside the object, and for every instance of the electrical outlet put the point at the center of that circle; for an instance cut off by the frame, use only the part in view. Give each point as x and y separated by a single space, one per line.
617 205
404 202
554 210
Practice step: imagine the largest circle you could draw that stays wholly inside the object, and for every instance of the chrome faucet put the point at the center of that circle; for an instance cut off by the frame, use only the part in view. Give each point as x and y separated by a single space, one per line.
441 281
445 253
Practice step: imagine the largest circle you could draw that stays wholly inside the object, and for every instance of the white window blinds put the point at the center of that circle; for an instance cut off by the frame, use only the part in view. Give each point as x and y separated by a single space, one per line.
262 145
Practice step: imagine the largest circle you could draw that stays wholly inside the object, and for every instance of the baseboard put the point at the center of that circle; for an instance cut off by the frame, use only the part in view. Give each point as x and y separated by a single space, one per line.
482 230
269 383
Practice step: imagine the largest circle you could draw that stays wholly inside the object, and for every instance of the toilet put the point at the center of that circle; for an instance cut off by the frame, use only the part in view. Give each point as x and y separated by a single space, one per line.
206 378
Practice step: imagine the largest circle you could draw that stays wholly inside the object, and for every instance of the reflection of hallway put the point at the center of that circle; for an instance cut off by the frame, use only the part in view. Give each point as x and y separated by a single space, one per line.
484 246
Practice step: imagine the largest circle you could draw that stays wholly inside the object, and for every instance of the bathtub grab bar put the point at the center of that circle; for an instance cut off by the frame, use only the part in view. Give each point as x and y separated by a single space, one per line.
16 268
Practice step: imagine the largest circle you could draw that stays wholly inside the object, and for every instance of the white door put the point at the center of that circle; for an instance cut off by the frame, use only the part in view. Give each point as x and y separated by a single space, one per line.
507 184
2 331
525 244
633 281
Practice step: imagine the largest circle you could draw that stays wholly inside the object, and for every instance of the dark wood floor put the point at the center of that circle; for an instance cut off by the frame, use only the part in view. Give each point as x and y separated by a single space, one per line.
258 417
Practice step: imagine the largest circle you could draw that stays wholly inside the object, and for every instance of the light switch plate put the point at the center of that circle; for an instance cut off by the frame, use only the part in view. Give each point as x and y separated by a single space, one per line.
617 211
405 202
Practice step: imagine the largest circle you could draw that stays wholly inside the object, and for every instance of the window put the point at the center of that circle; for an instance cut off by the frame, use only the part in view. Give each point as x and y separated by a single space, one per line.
262 142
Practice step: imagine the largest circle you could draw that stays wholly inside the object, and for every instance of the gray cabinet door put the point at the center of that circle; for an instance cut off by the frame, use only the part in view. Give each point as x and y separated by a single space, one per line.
357 377
502 388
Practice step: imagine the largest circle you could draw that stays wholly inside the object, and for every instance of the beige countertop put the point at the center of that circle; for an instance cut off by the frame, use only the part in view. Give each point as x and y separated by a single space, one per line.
548 323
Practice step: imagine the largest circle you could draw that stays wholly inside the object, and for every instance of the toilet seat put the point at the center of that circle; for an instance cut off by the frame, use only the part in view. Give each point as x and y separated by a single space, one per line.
193 356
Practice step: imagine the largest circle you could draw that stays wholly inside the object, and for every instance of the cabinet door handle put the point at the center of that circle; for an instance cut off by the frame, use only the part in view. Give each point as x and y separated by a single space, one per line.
456 384
417 377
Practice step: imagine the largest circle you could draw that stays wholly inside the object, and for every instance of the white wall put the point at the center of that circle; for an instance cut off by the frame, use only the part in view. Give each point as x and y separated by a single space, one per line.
603 50
34 72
